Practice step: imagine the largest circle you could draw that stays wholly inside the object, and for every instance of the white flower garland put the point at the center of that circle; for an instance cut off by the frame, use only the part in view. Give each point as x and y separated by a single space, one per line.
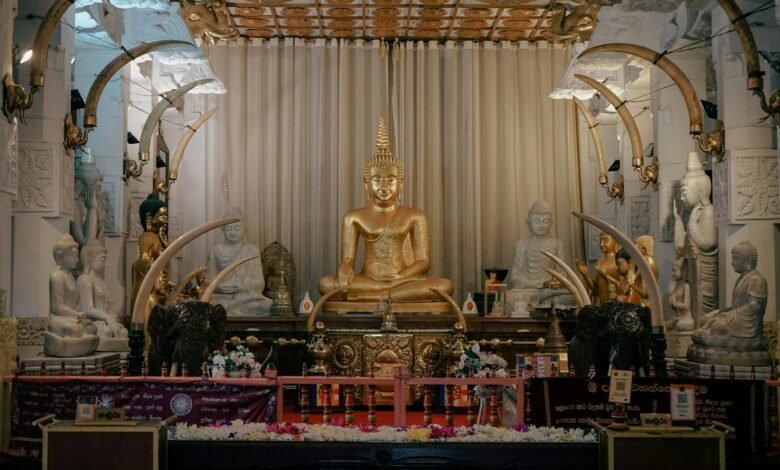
240 431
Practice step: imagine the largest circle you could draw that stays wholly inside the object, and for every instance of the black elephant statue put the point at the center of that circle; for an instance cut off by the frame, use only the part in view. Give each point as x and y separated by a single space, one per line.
185 333
613 334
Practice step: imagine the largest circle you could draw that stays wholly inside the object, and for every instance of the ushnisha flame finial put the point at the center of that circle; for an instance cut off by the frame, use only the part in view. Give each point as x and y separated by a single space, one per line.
383 157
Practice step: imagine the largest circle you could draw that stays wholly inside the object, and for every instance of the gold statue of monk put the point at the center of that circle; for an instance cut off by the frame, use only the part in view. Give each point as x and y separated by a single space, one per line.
397 250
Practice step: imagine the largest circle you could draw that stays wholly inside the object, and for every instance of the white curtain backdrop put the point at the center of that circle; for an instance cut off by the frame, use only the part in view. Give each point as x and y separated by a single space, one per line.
472 123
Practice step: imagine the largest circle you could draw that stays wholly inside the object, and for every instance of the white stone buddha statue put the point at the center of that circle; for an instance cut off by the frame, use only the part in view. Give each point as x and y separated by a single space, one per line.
87 223
69 332
528 275
93 298
241 292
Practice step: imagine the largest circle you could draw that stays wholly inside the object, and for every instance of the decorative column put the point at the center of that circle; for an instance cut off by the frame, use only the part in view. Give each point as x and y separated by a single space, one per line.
44 204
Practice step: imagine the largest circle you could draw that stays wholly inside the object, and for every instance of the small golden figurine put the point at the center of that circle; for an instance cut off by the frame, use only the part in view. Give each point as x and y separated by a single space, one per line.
397 250
605 267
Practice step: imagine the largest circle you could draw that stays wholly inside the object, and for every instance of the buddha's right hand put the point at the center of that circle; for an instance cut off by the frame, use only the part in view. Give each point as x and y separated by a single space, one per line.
345 275
583 268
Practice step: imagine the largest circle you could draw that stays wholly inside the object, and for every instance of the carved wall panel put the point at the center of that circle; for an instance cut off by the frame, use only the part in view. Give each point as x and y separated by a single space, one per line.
430 353
67 183
36 181
720 189
348 354
111 205
384 352
134 228
754 185
30 331
639 220
9 158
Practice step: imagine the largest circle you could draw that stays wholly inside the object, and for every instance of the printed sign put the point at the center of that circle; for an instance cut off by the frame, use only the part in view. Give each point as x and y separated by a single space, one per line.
620 386
683 402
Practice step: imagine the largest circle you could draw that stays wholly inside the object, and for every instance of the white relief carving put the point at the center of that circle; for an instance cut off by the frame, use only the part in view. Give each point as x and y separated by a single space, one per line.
134 228
9 158
110 205
757 188
67 178
720 189
639 220
36 181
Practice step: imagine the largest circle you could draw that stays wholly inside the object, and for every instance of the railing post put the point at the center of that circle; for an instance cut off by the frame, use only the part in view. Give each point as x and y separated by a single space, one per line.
399 398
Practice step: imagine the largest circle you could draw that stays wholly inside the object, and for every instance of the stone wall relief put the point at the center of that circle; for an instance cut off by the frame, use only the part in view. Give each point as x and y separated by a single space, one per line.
720 189
36 180
112 205
134 228
754 185
9 158
639 216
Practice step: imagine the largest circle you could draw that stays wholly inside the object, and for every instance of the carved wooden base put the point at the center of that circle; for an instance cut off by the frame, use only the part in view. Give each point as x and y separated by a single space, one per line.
341 307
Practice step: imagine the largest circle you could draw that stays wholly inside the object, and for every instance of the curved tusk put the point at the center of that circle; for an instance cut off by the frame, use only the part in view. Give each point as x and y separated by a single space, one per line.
209 292
174 295
154 117
653 291
42 37
185 140
568 285
671 69
165 257
755 81
638 157
454 305
90 112
318 306
596 136
581 290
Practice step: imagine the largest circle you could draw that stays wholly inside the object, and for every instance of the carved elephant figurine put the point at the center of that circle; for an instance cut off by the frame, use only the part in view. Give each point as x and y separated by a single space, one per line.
208 20
613 334
185 333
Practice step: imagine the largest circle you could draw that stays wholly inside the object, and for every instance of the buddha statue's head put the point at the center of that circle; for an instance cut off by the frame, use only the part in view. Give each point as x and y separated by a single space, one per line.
539 219
149 209
234 233
607 243
679 269
645 244
744 257
383 173
695 186
623 262
93 257
66 252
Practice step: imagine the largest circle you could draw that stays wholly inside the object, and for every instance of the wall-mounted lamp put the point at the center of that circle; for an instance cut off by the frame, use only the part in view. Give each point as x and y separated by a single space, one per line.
15 99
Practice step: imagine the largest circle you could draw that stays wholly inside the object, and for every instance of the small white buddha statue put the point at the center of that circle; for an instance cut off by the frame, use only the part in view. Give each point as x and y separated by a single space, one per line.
241 292
528 268
93 298
69 332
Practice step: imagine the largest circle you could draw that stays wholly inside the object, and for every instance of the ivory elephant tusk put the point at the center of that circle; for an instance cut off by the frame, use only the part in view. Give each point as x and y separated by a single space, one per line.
596 136
671 69
582 292
90 112
209 292
568 285
755 81
185 140
638 158
653 291
318 306
165 257
174 296
42 37
154 116
454 305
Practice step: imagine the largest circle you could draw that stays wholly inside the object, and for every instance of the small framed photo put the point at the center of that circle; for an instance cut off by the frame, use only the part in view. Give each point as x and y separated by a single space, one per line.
494 302
538 365
683 402
86 407
620 386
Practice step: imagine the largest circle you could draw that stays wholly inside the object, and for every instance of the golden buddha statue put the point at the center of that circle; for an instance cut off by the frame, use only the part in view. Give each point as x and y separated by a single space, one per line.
397 250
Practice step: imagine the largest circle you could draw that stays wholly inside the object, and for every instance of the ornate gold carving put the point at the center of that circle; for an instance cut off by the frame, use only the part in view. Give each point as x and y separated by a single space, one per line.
384 352
341 12
348 354
30 331
470 34
432 13
259 33
386 13
298 11
208 20
477 13
473 24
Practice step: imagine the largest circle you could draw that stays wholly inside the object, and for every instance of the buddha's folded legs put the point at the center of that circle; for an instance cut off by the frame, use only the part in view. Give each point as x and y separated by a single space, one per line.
363 288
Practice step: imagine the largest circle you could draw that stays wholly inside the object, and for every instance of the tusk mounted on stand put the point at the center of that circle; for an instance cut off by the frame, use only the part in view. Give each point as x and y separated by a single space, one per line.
178 155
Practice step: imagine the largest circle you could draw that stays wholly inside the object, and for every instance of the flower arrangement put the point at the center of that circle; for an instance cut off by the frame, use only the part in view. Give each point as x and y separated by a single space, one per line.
475 363
240 431
232 363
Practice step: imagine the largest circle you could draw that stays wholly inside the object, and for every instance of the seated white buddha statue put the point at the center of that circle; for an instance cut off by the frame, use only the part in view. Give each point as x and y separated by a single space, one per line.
528 274
93 298
69 332
241 291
